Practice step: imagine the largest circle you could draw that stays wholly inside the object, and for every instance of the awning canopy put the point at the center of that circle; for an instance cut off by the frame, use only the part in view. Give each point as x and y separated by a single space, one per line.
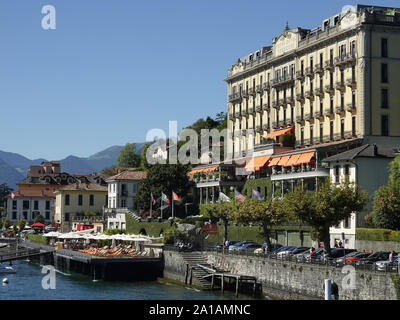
278 133
293 159
257 163
283 161
213 168
274 161
305 158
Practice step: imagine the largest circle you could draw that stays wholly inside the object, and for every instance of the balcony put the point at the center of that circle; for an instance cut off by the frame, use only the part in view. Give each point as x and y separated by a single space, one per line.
258 128
351 82
265 107
309 72
245 94
282 123
299 75
299 118
281 102
319 68
258 108
329 65
300 97
339 109
244 132
340 85
309 95
290 100
252 91
309 116
275 125
243 112
329 112
235 97
282 80
319 114
265 127
319 92
259 88
329 88
230 116
351 107
251 110
341 60
237 114
274 103
350 134
267 86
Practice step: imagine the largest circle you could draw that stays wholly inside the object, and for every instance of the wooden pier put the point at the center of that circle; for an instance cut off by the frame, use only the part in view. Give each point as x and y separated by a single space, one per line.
12 249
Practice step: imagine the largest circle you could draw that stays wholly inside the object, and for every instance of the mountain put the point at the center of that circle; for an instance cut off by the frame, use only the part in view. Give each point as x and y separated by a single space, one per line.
14 167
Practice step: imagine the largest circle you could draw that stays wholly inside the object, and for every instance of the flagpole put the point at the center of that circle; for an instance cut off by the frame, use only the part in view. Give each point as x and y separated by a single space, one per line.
172 198
161 205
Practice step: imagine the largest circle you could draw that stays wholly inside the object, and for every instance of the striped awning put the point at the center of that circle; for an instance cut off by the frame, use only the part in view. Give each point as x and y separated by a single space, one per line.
305 158
283 161
278 133
257 163
293 159
274 161
204 170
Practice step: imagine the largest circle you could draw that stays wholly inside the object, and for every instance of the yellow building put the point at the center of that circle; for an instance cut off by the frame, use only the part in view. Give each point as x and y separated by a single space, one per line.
332 85
72 201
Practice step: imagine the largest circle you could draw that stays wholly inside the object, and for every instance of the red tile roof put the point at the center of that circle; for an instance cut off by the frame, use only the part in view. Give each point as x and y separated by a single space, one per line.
129 175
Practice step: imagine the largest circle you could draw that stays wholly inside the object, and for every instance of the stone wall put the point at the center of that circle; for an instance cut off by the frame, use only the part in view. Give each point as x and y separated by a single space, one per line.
375 246
290 280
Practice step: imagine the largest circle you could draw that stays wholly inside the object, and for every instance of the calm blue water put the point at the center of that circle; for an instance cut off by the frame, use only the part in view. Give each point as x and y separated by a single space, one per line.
27 284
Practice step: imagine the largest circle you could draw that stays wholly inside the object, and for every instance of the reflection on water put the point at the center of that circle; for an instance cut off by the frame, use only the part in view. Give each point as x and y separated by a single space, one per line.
27 284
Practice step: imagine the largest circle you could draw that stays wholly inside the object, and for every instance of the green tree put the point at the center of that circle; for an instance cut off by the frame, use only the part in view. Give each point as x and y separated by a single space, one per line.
325 207
128 157
144 165
21 224
163 178
39 219
4 191
6 224
288 140
386 206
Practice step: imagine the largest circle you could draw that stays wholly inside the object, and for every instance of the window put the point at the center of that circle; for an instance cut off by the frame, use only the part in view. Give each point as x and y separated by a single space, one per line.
14 215
337 174
342 101
25 205
47 204
342 128
25 215
311 108
311 134
67 200
321 106
353 98
331 130
347 170
302 136
346 223
384 73
66 216
36 205
123 203
331 104
384 47
14 204
91 200
353 126
353 48
47 217
321 132
385 125
80 200
384 98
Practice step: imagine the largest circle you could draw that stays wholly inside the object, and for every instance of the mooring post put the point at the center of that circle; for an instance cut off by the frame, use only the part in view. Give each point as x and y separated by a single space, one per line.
186 272
191 276
327 289
222 283
237 287
212 282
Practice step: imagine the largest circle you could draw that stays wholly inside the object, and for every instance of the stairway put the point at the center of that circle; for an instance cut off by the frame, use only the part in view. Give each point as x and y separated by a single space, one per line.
134 215
196 258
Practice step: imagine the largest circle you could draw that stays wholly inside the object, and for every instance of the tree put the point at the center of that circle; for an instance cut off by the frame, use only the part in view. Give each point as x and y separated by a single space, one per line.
6 224
386 207
163 178
325 207
21 224
266 213
39 218
128 157
4 191
288 140
144 165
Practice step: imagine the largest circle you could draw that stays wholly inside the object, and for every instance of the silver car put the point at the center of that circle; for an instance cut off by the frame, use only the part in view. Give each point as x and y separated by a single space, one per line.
387 265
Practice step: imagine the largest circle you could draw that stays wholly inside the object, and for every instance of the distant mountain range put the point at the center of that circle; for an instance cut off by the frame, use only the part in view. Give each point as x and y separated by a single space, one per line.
14 167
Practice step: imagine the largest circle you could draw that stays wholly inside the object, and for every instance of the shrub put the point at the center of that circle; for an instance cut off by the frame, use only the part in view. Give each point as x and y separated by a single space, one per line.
377 234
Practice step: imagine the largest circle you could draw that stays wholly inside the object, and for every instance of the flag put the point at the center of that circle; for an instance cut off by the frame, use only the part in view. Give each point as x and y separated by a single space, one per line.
256 194
175 197
239 196
164 198
223 198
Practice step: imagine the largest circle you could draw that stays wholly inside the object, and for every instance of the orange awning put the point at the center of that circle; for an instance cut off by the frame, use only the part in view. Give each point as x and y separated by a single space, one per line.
305 158
293 159
274 161
278 133
204 170
257 163
283 161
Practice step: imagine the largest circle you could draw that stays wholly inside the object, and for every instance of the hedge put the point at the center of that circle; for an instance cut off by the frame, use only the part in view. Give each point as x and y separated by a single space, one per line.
372 234
36 238
152 229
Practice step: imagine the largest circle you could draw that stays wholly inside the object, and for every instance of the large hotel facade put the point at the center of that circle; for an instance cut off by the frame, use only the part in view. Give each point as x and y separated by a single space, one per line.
311 95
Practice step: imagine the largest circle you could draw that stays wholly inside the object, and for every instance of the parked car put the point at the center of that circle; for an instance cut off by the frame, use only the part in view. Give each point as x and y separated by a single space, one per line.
375 257
387 265
249 246
272 247
230 242
342 259
360 255
317 256
234 247
286 252
299 250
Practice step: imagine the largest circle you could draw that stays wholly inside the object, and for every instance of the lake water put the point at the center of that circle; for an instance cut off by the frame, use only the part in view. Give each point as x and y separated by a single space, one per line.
27 284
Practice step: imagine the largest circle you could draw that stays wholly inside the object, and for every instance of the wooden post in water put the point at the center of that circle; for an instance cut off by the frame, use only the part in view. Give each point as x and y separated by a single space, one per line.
191 276
212 281
222 283
186 273
254 288
237 287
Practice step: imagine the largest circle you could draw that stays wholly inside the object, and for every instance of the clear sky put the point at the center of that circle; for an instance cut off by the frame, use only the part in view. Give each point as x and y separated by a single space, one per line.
113 69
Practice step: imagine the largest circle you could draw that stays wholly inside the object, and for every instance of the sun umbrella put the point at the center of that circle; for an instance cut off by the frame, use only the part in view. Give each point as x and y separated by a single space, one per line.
38 224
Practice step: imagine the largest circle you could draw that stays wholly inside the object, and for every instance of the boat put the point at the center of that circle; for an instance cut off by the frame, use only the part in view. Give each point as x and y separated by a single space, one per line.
7 269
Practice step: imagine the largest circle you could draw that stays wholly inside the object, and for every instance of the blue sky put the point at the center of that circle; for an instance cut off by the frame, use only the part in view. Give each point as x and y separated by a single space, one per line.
112 70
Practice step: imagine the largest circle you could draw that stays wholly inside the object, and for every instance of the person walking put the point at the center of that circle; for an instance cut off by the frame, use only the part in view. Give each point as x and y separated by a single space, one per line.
391 256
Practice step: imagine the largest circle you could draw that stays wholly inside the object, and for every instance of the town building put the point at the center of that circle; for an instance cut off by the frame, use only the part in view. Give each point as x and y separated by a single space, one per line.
368 167
122 190
80 203
36 193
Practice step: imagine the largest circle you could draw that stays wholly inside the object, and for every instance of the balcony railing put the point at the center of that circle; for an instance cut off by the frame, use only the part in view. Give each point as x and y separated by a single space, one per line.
340 109
341 60
244 132
251 110
300 96
329 65
282 80
258 128
245 94
237 114
267 85
329 88
319 114
319 91
274 103
299 118
235 96
290 100
275 125
258 108
328 112
230 116
351 107
299 75
351 82
309 116
259 88
309 72
252 91
340 85
309 94
243 112
265 106
281 102
319 68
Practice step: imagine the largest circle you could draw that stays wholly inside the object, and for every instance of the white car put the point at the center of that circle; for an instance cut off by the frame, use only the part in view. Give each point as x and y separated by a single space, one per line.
387 265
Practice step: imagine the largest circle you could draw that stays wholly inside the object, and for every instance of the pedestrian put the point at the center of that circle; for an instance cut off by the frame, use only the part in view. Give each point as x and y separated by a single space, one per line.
340 244
391 256
226 243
